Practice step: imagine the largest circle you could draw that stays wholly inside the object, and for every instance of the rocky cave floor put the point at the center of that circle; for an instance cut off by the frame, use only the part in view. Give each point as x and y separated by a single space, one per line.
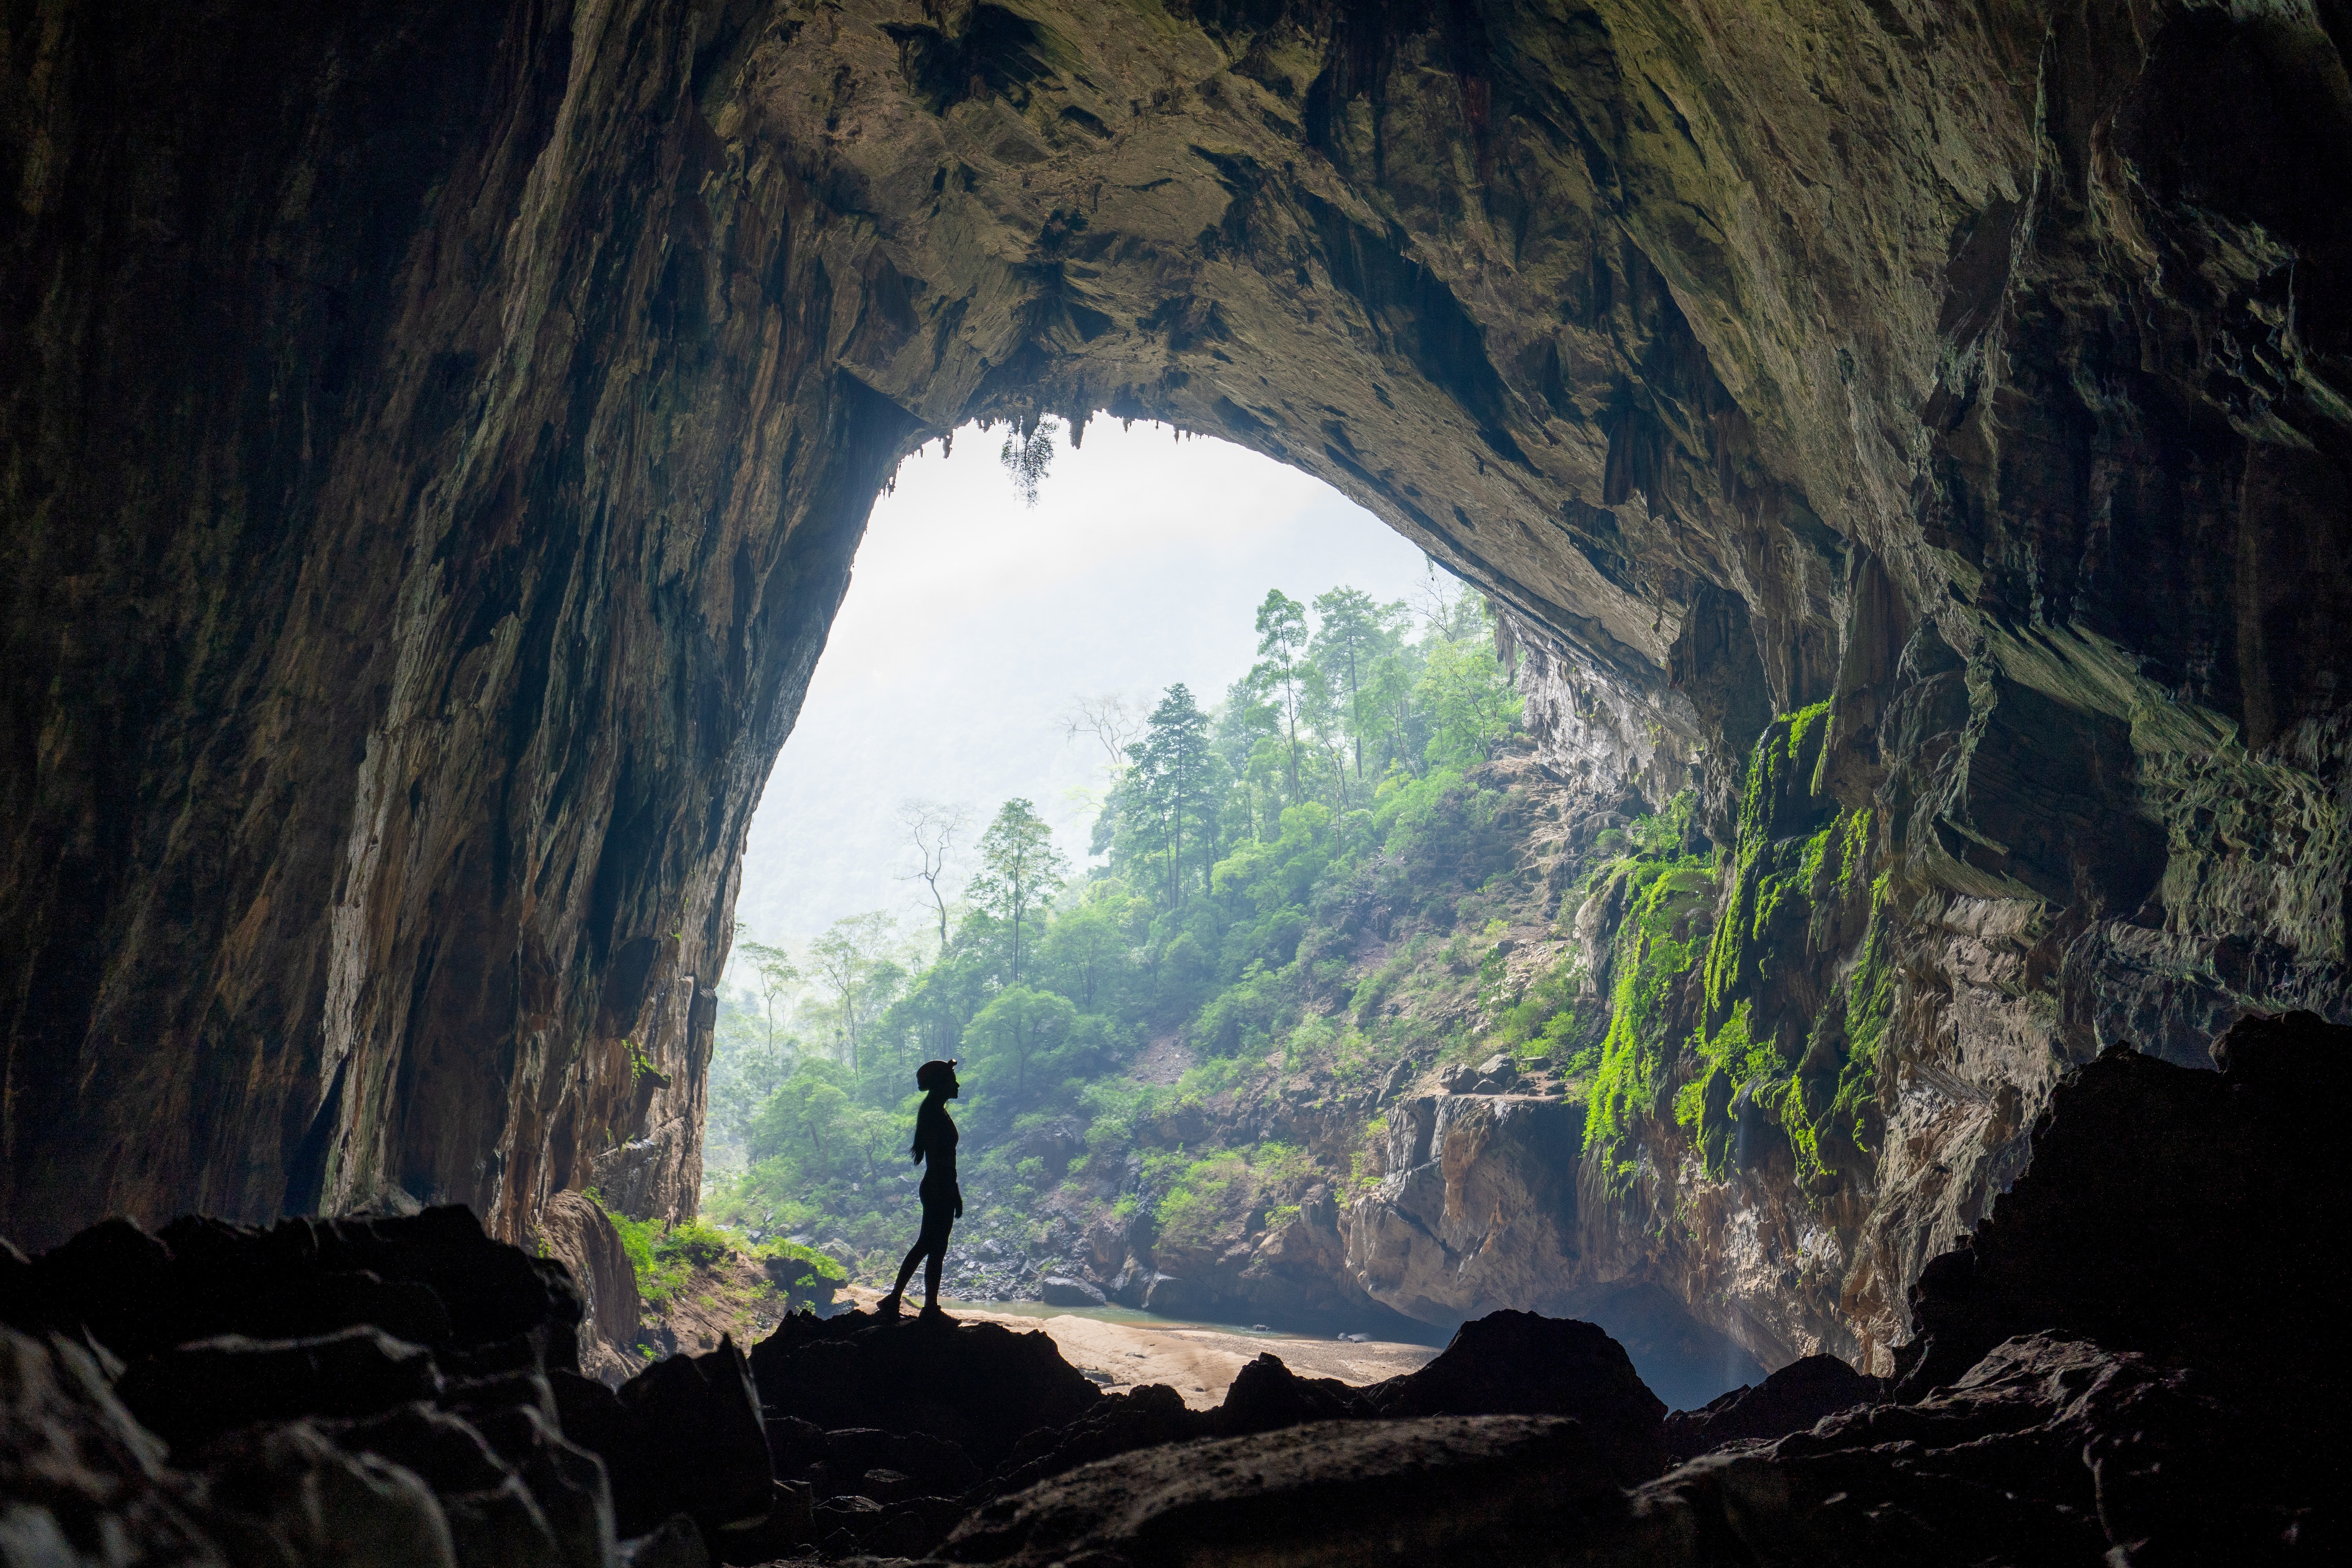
2127 1364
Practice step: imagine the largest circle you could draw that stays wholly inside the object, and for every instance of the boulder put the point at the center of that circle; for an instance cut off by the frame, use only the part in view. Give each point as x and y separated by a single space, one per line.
295 1486
432 1278
1266 1395
481 1443
1520 1363
927 1466
579 1236
73 1462
189 1393
1061 1290
1479 1208
1174 1298
1145 1417
1791 1399
1443 1489
980 1385
2170 1211
693 1442
2049 1450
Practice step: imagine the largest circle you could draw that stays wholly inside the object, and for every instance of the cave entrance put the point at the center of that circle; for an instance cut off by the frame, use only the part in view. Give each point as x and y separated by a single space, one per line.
980 615
1202 1045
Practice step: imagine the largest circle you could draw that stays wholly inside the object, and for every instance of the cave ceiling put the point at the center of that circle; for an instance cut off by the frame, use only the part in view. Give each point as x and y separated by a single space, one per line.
436 437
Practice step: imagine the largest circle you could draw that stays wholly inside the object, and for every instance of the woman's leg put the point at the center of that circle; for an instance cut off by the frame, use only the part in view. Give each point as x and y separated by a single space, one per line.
931 1248
938 1256
907 1267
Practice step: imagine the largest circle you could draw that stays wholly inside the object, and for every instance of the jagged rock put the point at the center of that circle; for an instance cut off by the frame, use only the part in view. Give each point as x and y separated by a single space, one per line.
433 1279
210 1386
292 1486
685 1436
928 1465
82 1480
2049 1451
1148 1417
331 1448
1791 1399
672 1543
979 1385
1518 1364
580 1236
2166 1210
1061 1290
1478 1210
1266 1395
1482 1489
701 1424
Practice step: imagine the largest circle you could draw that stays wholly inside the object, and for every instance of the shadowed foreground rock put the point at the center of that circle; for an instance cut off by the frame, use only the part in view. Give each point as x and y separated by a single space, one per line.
2125 1367
981 1386
1500 1487
1790 1400
1520 1363
2186 1213
384 1391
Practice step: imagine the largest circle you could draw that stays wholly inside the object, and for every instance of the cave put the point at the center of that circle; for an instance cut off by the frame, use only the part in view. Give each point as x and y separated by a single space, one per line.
437 436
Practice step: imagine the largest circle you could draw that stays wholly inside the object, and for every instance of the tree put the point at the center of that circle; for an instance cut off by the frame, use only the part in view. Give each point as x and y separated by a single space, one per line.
802 1112
1470 701
744 1071
1083 947
1351 633
1022 1023
934 827
1108 718
1281 645
774 975
1170 788
1020 871
846 956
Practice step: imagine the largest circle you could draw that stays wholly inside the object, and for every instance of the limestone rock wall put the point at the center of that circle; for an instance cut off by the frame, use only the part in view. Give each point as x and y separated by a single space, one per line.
436 438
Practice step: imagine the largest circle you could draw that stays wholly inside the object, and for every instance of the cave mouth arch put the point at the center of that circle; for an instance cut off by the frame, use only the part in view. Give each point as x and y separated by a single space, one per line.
977 619
436 446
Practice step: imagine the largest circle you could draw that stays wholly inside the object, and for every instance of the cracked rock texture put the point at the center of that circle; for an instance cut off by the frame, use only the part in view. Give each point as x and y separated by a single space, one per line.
436 437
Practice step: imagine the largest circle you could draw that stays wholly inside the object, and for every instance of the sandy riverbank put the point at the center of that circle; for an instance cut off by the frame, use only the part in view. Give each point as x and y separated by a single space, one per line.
1198 1363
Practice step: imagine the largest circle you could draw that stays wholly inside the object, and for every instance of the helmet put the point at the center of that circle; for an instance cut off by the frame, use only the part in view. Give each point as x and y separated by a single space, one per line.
935 1074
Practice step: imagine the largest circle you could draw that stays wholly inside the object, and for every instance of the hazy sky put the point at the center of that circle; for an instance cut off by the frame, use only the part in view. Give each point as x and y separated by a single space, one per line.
974 622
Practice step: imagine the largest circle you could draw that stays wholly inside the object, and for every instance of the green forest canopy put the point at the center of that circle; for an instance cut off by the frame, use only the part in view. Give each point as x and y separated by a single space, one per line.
1232 838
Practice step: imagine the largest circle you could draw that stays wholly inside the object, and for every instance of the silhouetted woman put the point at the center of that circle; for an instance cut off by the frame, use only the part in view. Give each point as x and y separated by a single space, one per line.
935 1147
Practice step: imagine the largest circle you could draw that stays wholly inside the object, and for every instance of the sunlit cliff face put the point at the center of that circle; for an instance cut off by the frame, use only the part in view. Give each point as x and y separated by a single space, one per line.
435 445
